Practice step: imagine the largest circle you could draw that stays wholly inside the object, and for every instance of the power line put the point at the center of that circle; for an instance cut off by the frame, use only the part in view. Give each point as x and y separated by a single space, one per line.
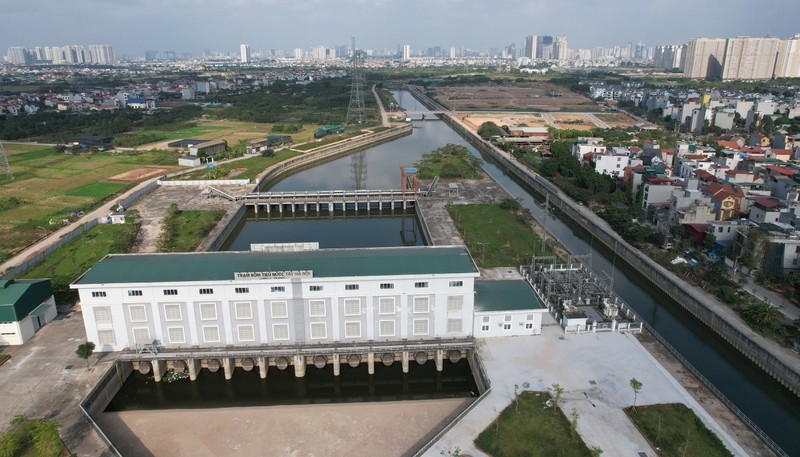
355 111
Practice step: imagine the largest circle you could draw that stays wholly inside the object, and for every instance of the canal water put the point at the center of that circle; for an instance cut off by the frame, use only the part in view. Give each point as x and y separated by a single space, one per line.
211 390
773 408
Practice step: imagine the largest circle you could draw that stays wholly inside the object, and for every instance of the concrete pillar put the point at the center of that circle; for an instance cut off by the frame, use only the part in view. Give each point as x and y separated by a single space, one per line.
227 365
439 360
405 361
336 364
194 367
370 363
263 366
299 366
256 208
158 369
613 325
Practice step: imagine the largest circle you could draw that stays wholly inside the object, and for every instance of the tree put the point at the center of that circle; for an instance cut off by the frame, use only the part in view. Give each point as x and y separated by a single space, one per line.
558 391
487 130
85 351
636 385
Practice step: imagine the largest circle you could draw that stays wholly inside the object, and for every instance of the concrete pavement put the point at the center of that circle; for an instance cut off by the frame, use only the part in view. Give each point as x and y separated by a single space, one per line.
594 369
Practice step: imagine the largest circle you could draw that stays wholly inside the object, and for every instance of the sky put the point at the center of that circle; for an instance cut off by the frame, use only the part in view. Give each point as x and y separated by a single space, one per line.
133 26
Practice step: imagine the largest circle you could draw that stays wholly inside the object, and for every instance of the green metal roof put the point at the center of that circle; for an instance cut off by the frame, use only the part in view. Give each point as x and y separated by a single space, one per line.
505 295
18 297
220 266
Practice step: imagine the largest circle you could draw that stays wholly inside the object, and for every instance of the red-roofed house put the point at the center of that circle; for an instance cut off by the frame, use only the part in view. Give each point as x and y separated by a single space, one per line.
726 200
729 144
777 171
704 176
784 155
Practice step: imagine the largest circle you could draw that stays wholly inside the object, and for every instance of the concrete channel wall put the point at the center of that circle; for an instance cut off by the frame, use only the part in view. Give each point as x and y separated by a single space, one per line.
703 306
101 395
223 230
331 151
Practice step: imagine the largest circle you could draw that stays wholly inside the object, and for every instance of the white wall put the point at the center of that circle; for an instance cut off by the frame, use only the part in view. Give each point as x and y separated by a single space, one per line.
496 323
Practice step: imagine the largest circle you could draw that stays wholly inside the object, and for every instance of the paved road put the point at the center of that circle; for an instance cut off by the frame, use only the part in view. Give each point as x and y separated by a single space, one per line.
595 370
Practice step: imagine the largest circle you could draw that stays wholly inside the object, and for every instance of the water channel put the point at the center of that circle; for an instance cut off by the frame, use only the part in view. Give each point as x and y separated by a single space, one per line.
773 408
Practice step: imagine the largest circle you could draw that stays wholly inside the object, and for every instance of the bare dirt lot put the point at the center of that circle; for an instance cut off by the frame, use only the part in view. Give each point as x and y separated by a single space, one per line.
542 96
577 121
139 174
346 429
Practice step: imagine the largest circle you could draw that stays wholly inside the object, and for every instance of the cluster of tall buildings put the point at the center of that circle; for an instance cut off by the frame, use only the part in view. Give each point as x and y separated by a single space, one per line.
545 47
102 54
742 58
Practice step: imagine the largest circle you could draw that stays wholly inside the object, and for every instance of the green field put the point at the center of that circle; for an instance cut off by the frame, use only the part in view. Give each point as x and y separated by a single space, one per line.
139 138
182 231
530 428
72 259
50 185
451 161
676 430
495 236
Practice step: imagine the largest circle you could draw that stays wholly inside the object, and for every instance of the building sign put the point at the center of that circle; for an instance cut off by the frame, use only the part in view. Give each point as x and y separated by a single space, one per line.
273 274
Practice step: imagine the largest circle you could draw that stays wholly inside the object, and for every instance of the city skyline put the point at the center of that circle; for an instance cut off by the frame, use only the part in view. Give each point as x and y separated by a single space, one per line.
461 23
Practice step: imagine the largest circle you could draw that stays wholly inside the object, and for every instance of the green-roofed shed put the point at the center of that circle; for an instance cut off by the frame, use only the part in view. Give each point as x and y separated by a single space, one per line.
25 306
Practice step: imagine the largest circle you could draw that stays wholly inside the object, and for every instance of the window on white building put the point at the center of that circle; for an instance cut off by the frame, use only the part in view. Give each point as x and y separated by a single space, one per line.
386 328
134 293
316 308
422 305
486 319
315 288
456 283
455 303
506 326
172 312
484 328
106 337
507 318
244 310
176 335
242 290
529 317
386 306
352 329
98 294
170 291
102 314
386 285
138 313
351 287
279 309
420 326
274 289
352 307
280 332
528 325
319 330
206 291
246 333
210 334
421 285
208 311
454 325
140 335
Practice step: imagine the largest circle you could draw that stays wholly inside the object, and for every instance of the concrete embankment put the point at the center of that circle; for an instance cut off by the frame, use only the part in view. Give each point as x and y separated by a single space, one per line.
777 361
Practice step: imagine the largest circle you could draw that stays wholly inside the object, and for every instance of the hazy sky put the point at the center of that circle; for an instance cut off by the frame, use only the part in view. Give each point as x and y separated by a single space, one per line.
133 26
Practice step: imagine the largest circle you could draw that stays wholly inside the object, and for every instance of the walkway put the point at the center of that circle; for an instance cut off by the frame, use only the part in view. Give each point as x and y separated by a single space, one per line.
594 370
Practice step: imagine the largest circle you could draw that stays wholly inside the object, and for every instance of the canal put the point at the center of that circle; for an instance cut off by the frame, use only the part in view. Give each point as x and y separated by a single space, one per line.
773 408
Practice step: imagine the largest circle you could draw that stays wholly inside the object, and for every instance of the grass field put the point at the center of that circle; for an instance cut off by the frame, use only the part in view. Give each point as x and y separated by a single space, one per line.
182 231
52 184
72 259
449 162
676 430
530 428
230 131
245 169
495 236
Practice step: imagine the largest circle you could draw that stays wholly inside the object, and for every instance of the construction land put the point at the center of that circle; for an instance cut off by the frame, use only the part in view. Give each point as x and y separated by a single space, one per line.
534 96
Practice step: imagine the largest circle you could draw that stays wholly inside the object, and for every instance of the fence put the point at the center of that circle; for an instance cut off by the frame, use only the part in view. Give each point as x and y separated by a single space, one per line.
12 272
205 182
704 307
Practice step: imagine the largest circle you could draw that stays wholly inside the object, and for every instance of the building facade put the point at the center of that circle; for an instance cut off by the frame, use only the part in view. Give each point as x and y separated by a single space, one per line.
26 305
329 296
704 57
